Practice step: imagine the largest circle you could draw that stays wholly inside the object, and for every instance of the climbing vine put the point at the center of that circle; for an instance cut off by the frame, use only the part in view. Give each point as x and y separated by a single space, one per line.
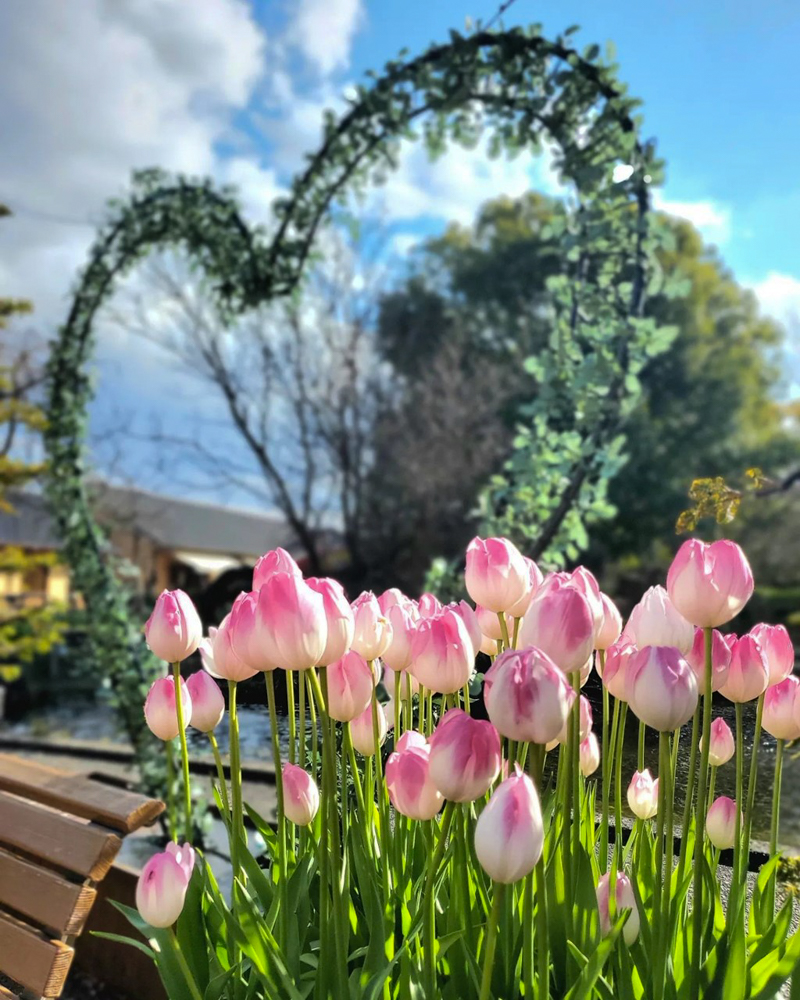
524 91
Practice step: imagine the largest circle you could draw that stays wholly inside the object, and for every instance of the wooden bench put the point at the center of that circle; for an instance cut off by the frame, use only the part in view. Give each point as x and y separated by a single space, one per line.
59 835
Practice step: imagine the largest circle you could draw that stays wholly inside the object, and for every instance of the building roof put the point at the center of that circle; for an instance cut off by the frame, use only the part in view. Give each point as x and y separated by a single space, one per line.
171 522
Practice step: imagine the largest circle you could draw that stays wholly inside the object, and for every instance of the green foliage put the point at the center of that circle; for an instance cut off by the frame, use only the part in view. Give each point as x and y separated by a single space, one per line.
523 88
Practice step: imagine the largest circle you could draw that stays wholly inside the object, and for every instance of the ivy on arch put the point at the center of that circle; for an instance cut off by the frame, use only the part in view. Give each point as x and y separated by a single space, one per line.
524 91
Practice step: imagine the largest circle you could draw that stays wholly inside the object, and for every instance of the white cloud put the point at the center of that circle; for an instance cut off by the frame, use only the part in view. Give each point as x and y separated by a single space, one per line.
323 30
710 218
779 297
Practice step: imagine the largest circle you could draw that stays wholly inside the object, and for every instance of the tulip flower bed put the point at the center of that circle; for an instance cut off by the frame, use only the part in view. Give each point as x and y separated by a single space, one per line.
450 868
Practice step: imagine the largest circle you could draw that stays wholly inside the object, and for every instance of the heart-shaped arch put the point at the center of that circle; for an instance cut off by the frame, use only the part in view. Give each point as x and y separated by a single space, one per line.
525 89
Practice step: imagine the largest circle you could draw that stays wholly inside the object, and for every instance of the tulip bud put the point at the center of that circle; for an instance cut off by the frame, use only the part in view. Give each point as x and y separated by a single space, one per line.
782 709
350 686
778 650
721 823
748 675
408 779
397 655
276 561
429 606
720 660
527 697
617 673
173 631
184 855
226 662
464 756
338 616
721 745
393 598
559 622
585 581
300 795
208 705
470 619
663 688
655 622
292 626
535 577
496 575
625 900
161 890
611 628
585 715
373 633
362 733
509 834
397 682
442 657
160 710
643 795
709 584
589 755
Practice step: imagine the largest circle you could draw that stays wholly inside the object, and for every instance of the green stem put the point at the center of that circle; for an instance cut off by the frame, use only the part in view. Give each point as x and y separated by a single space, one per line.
640 752
669 852
751 791
658 888
184 965
776 806
303 727
187 781
618 837
700 822
491 941
542 932
737 846
527 942
237 819
690 783
223 790
312 711
515 634
504 629
608 772
290 704
276 761
429 901
575 750
171 811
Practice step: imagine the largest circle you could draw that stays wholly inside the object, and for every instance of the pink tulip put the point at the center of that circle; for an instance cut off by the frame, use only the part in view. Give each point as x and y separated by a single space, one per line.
709 584
442 657
275 561
611 628
373 633
397 655
397 682
585 713
350 686
362 733
300 795
509 834
393 598
173 631
429 606
535 577
464 756
208 705
778 649
782 709
227 664
292 624
408 779
185 856
490 624
161 890
527 697
160 710
663 688
616 673
721 746
496 575
586 582
748 675
643 795
338 616
589 755
248 640
720 659
470 618
655 622
559 622
721 823
586 671
625 899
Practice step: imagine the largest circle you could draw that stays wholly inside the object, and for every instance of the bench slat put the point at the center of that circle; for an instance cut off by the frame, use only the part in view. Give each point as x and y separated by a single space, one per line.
61 841
73 793
31 960
43 897
6 995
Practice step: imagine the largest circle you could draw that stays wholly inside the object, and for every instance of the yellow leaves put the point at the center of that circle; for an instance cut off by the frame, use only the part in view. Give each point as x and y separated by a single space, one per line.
713 497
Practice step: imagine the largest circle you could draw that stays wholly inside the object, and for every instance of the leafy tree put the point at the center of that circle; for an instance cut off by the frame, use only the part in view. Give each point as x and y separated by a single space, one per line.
707 405
25 631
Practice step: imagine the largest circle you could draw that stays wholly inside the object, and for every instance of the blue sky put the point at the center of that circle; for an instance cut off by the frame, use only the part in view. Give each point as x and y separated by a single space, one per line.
235 89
